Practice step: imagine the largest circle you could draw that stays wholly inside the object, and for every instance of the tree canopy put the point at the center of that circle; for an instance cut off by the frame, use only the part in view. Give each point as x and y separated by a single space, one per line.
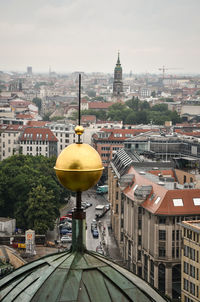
24 179
135 111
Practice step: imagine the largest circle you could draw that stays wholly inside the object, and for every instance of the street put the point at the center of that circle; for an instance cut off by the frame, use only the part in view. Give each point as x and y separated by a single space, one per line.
103 225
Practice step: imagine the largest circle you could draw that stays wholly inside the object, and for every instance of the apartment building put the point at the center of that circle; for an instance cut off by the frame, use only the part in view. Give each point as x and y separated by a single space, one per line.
190 260
146 208
9 136
64 133
109 141
38 141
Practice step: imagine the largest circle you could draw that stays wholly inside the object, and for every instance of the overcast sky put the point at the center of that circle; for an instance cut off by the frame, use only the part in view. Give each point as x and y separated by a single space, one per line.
85 35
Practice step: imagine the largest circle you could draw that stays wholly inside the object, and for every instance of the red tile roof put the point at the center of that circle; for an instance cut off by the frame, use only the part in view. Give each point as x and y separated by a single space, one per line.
163 172
38 134
88 118
24 116
37 123
165 206
99 105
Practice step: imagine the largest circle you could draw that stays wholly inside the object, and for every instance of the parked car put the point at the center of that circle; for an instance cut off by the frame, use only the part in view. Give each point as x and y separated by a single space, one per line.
65 231
95 233
66 239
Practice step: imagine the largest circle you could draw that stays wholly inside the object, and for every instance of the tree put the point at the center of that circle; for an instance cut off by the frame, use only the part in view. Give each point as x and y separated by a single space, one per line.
160 107
20 175
133 103
91 93
41 212
38 103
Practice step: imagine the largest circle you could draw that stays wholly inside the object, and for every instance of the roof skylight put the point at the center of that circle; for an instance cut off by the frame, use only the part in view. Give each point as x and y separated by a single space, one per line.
178 202
157 200
196 201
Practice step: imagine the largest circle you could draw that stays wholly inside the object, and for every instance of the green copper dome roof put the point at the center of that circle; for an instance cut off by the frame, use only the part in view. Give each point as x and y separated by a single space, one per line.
73 277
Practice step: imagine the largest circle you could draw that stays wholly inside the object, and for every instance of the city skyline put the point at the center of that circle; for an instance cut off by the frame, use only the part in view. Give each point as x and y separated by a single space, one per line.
86 35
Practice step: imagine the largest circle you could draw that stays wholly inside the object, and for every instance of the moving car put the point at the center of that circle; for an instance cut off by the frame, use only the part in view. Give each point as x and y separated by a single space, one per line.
95 233
66 239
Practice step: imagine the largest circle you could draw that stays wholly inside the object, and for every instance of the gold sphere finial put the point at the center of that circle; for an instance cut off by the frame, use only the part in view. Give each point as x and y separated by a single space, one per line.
79 130
79 167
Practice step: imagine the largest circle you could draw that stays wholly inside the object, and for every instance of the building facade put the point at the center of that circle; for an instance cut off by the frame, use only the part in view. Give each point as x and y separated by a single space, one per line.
190 261
38 141
145 213
9 140
109 141
64 134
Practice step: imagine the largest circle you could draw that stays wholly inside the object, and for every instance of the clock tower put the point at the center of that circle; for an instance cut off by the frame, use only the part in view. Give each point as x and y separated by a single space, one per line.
118 84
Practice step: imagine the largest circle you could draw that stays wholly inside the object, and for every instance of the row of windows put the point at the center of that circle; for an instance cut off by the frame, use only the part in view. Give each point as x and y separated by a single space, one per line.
191 270
34 142
186 299
37 154
191 253
105 148
105 154
37 148
66 141
190 287
3 135
60 128
191 235
162 235
176 219
66 134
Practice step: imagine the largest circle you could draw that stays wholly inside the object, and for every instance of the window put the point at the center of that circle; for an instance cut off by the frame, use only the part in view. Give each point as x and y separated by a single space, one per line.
162 235
139 239
162 220
178 202
116 208
157 200
196 201
139 255
161 251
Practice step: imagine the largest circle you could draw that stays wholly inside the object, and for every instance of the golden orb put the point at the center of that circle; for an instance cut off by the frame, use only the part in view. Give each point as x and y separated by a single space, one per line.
79 130
79 167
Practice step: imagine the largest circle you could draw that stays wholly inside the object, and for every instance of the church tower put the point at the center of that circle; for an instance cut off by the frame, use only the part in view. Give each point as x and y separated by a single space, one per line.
118 84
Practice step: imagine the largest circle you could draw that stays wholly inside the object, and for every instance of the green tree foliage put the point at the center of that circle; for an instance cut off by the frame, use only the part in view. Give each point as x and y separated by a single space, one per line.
118 112
19 176
91 93
41 210
38 103
100 114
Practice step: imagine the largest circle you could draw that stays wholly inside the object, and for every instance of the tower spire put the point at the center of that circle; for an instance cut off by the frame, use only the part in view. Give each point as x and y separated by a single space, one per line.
118 59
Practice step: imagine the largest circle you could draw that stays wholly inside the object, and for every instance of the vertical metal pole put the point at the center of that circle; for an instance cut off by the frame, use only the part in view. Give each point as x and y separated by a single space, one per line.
79 106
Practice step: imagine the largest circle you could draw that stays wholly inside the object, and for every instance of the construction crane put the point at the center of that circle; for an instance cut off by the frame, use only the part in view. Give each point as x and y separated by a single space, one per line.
163 69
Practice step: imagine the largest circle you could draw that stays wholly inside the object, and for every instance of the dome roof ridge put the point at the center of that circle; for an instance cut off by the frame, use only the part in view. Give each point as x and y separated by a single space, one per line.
75 276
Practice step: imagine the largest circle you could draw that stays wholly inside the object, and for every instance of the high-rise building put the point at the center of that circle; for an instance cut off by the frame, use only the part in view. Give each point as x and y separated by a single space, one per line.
118 84
29 70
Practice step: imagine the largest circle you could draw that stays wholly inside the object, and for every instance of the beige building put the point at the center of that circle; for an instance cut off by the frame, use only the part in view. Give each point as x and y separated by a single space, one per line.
190 261
9 140
64 133
38 141
146 208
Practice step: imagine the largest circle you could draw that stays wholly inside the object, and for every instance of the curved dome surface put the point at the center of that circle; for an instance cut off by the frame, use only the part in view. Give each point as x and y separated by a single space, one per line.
73 277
